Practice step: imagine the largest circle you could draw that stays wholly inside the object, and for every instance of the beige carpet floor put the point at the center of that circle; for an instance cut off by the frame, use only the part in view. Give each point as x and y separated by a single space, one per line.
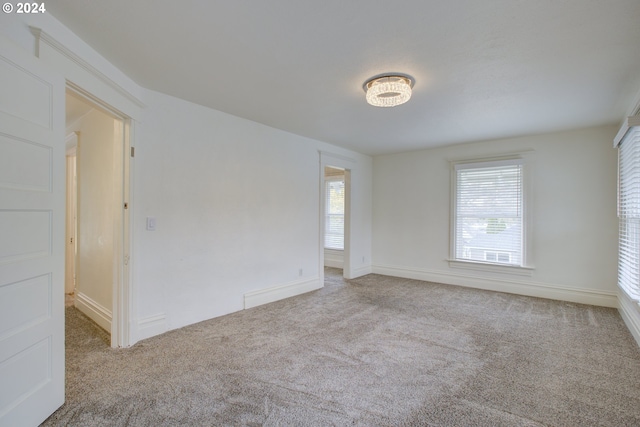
375 351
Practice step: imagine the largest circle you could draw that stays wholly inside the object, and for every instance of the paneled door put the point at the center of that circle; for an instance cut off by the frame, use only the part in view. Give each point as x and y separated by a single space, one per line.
32 225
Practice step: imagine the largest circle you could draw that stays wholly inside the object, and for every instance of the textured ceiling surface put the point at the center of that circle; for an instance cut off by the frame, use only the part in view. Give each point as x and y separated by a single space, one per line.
483 69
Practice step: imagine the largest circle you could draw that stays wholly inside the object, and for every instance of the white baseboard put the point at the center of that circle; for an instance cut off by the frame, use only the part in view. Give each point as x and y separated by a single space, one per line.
94 311
151 326
630 313
362 271
501 284
275 293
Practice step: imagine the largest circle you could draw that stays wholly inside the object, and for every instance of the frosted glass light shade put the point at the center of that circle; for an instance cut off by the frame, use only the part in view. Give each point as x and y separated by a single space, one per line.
388 91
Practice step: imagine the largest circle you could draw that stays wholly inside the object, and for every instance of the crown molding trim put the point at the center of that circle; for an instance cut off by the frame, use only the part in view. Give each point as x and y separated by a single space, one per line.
42 36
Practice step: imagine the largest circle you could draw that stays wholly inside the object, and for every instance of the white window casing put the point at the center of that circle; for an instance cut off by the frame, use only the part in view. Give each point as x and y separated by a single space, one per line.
489 220
629 210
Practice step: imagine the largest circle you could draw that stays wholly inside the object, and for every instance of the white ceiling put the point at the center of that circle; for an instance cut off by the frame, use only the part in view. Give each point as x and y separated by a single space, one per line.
484 69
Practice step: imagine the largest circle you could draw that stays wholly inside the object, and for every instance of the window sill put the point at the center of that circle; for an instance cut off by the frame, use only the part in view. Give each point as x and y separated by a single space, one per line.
492 268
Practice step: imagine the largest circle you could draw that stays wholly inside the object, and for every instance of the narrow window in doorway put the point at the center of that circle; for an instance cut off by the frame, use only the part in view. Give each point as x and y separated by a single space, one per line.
334 214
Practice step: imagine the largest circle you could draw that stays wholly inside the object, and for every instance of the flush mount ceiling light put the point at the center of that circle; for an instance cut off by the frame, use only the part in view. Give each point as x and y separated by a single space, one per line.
388 90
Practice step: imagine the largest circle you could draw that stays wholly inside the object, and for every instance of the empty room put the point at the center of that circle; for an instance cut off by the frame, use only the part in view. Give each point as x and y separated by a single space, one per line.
291 213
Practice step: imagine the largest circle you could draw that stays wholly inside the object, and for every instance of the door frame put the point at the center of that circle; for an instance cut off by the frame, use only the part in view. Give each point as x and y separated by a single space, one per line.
346 163
71 206
336 178
108 88
121 304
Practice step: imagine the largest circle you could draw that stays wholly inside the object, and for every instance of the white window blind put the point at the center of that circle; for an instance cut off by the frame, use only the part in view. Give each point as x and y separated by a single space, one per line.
334 214
488 223
629 214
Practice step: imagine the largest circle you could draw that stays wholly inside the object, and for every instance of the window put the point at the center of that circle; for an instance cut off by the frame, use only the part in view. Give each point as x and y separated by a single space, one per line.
501 257
334 214
629 214
488 223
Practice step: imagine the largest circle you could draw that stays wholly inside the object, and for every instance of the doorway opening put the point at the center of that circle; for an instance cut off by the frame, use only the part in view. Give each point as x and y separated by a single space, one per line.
334 216
97 217
335 213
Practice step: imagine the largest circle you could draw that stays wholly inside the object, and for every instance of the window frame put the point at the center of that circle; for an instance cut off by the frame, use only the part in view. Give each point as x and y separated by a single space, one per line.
496 254
628 143
327 180
525 160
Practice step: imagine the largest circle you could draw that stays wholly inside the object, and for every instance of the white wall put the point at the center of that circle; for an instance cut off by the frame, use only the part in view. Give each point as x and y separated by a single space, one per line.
574 222
98 191
236 206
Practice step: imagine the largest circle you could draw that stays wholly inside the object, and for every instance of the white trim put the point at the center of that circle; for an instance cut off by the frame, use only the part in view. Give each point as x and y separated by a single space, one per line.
95 311
71 143
501 284
630 313
324 154
321 218
626 125
275 293
523 154
151 326
474 164
96 102
523 158
124 288
362 271
346 253
42 36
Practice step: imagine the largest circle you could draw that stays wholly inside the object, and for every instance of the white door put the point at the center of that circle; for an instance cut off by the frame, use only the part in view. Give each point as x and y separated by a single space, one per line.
32 228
